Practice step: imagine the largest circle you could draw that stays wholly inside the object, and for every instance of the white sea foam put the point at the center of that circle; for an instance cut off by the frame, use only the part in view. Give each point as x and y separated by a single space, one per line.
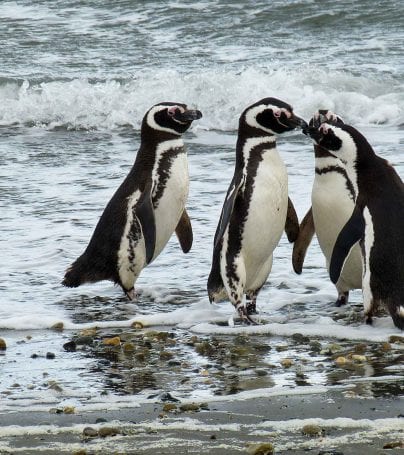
220 94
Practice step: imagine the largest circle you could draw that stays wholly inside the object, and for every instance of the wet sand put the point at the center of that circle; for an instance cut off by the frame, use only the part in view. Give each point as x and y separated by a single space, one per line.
222 427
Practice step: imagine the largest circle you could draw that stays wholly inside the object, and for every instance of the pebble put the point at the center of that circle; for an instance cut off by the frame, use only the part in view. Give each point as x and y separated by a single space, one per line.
341 360
89 332
90 432
137 325
261 449
58 327
396 339
50 355
165 355
3 345
287 363
312 430
169 407
128 346
394 445
70 346
359 358
69 410
114 341
190 407
108 431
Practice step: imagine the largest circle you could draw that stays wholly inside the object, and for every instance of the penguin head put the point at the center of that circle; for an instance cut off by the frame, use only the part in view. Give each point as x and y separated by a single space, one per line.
323 116
171 118
270 116
338 140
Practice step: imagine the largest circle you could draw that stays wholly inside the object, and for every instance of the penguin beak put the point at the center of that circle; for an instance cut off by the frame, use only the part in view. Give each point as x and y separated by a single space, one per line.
313 132
297 122
188 115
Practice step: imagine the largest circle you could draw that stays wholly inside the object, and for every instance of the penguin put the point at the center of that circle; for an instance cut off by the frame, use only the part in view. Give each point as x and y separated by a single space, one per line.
333 199
376 222
256 209
147 207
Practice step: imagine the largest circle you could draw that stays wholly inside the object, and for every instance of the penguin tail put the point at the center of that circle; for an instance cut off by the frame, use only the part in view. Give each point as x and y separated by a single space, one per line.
78 273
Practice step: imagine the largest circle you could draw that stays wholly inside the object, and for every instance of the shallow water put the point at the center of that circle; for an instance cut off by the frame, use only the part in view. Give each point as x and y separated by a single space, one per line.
74 84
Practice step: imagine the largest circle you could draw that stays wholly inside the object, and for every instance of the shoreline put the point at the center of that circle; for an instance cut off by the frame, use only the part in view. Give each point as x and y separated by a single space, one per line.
338 423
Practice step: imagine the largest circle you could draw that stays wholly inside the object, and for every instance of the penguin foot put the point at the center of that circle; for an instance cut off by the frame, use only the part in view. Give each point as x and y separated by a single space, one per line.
251 308
245 317
342 299
131 294
369 319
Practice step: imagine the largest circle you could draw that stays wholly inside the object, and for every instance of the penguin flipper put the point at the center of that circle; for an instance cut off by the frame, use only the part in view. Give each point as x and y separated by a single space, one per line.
145 214
305 236
350 234
292 222
184 232
227 210
215 286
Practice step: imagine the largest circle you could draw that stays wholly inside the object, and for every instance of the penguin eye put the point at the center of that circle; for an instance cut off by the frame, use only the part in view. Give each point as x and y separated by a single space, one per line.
277 114
171 111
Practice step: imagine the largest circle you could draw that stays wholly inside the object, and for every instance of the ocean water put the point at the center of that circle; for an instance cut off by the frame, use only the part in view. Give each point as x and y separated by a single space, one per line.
75 80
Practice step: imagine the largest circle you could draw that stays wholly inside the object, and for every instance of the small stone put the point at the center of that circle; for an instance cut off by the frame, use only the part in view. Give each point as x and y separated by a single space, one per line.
50 355
299 338
287 363
70 346
394 445
58 327
396 339
69 410
53 385
165 355
137 325
166 396
261 449
359 358
190 407
386 347
169 407
261 373
3 345
128 346
161 336
361 348
90 432
100 420
34 356
312 430
80 452
114 341
281 348
315 346
341 360
213 437
204 348
108 431
92 332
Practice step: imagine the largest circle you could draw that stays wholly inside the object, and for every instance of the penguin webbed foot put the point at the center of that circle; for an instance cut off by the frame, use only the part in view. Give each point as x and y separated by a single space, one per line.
245 317
130 294
342 299
251 308
369 319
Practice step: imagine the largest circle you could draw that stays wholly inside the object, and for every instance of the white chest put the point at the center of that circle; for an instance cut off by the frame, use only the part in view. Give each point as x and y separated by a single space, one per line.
267 208
332 204
171 204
